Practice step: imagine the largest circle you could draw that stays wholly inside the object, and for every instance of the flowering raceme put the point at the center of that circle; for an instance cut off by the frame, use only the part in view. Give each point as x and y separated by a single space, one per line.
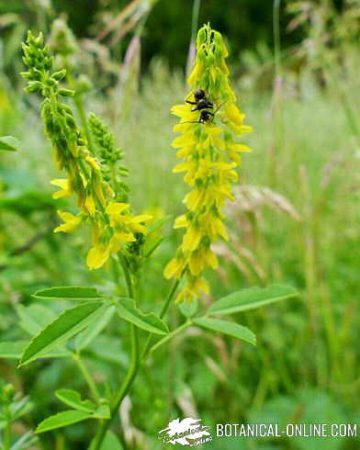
100 198
210 125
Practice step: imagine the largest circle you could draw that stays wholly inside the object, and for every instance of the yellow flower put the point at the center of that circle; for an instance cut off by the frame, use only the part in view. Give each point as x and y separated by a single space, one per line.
174 268
98 255
71 222
65 190
209 149
93 162
193 289
90 205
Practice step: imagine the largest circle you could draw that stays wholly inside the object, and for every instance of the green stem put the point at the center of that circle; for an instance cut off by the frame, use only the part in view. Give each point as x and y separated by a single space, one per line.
134 365
127 275
79 104
122 392
195 19
87 377
170 336
132 370
84 122
7 429
161 315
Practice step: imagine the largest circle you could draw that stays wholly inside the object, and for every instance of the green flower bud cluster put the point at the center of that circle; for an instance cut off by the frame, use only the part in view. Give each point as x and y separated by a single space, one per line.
110 156
84 177
100 192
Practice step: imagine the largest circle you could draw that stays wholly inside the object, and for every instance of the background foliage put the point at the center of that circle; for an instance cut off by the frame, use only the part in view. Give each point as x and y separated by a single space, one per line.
295 219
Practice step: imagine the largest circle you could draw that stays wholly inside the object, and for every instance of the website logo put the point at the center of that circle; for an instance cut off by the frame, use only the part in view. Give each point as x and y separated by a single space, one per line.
187 432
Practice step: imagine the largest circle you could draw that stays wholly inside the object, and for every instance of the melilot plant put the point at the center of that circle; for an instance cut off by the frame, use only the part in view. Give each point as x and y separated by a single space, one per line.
210 126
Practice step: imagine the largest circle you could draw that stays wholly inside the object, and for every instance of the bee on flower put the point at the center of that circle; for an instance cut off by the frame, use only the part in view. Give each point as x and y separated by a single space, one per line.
210 125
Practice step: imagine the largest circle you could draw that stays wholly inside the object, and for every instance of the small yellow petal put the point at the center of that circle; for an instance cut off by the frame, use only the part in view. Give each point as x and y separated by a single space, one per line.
97 256
117 208
180 222
71 222
90 205
93 162
174 268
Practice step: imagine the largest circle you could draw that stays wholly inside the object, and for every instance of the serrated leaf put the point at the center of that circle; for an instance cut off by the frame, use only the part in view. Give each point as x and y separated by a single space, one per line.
229 328
62 419
69 323
127 310
73 399
111 442
247 299
79 293
100 320
9 144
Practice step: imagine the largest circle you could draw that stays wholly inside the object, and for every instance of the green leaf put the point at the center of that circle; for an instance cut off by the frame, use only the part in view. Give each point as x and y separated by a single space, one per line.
34 318
230 328
247 299
68 324
12 350
189 309
100 320
73 399
149 322
62 419
9 144
111 442
78 293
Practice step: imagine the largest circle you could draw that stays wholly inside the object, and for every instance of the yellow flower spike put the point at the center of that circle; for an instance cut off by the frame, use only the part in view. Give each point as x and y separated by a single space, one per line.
65 190
70 224
210 153
94 185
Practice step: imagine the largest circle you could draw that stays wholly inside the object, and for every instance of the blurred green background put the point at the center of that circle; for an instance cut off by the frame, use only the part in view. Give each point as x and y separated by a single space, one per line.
295 219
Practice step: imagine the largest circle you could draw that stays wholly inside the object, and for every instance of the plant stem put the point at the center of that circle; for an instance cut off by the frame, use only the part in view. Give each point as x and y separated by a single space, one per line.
195 19
82 115
161 315
122 392
135 360
87 377
132 370
170 336
79 104
7 429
